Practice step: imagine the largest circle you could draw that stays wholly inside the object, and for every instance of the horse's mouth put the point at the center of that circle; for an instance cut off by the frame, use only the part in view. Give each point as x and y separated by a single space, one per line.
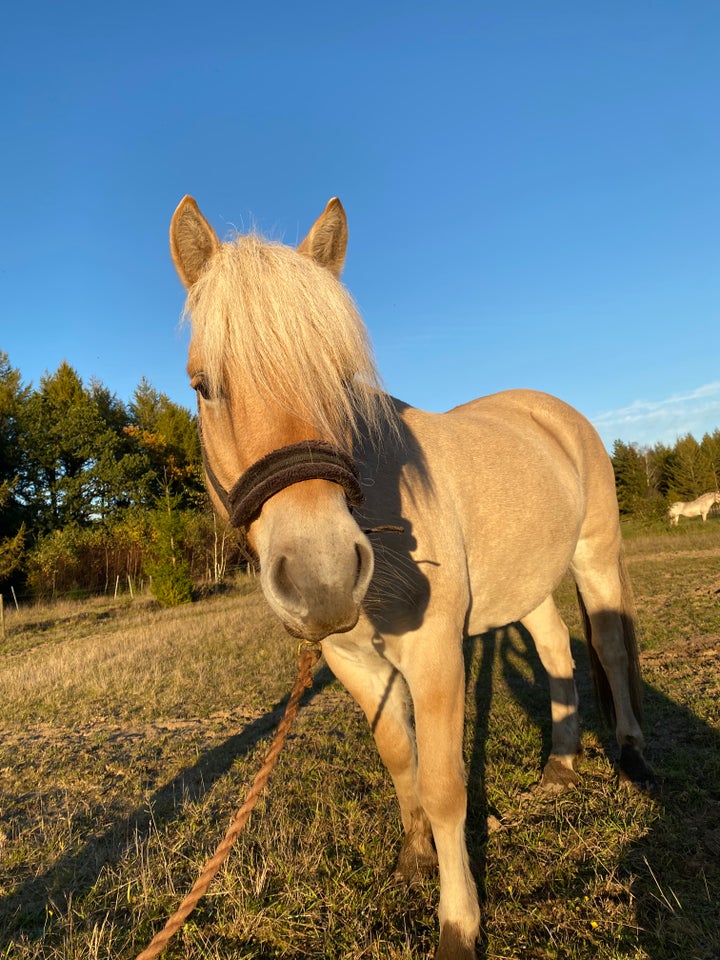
316 633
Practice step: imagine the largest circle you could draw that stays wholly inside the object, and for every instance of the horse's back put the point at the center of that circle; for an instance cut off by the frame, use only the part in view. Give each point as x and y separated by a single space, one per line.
528 439
526 410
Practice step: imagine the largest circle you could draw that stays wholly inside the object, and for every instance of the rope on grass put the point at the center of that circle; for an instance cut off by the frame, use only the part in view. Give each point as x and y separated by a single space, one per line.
308 656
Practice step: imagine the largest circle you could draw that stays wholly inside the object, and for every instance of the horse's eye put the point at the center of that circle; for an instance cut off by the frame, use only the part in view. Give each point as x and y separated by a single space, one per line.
199 385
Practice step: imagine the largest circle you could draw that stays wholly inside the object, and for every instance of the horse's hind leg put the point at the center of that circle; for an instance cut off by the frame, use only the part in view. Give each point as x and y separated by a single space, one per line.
382 693
607 609
552 640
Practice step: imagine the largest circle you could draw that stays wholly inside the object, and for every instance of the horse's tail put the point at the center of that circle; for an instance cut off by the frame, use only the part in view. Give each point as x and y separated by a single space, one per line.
601 684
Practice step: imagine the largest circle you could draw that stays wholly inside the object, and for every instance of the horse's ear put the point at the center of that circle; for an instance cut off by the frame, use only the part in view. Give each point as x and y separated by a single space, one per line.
192 241
327 241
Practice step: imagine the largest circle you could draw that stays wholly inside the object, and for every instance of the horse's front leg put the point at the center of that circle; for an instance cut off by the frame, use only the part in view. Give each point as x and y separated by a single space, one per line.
436 677
381 691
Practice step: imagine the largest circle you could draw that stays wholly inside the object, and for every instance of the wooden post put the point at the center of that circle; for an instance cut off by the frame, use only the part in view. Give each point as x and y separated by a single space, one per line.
117 583
132 595
17 608
2 618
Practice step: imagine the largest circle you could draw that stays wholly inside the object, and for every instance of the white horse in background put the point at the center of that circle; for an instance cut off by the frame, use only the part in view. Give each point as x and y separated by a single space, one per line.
696 508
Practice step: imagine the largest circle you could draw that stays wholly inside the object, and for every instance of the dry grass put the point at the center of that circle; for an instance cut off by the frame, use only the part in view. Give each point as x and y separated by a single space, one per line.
130 734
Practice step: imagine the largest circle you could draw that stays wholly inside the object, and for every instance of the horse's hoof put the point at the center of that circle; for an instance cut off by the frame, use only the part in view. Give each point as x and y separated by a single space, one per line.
454 945
417 859
557 777
635 772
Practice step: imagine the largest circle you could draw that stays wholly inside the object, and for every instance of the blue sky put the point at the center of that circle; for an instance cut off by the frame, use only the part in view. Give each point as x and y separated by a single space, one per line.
533 188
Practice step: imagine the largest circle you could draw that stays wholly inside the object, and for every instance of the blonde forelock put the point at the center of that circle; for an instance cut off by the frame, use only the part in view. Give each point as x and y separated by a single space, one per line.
265 312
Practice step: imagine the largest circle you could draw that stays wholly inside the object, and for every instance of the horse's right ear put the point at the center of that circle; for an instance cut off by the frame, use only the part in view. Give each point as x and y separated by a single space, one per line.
327 241
192 241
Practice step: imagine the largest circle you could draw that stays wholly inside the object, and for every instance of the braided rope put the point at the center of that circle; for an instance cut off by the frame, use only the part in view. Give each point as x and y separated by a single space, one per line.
308 656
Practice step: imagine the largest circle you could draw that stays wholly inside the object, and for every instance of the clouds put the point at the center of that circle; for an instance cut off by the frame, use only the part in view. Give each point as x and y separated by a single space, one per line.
663 421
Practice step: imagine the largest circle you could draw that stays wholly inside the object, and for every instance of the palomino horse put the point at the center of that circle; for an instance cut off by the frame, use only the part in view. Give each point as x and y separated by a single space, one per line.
696 508
496 499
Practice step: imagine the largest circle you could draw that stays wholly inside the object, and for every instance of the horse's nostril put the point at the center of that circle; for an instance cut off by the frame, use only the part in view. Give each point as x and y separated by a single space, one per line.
365 563
283 586
358 574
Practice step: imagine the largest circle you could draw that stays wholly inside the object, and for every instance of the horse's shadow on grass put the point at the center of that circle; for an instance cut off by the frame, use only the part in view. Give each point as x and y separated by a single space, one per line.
27 911
673 871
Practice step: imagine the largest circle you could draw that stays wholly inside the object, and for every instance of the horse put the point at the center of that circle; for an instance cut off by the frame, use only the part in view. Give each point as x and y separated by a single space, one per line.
696 508
388 534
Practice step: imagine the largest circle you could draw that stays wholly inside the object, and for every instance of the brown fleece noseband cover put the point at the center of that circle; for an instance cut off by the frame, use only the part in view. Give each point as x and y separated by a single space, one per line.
307 460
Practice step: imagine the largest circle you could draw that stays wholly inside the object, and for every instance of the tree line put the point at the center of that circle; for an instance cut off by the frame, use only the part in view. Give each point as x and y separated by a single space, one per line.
649 479
96 492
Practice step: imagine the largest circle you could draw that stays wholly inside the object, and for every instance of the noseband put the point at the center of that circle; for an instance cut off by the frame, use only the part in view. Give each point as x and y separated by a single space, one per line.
307 460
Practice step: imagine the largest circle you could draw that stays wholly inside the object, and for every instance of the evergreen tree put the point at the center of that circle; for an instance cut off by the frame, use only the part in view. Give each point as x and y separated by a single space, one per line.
166 435
661 460
13 399
710 447
168 568
65 438
631 477
11 548
118 475
690 469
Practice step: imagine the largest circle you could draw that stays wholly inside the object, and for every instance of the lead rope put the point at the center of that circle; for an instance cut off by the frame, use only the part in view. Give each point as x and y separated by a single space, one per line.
308 656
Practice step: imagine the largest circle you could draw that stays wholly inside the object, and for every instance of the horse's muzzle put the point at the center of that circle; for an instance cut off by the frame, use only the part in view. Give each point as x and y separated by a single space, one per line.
318 596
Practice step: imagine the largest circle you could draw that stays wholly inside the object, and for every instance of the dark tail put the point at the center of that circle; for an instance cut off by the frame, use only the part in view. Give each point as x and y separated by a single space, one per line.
601 684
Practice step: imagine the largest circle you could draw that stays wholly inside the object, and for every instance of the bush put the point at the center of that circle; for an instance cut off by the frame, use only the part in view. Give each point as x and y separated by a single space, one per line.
171 584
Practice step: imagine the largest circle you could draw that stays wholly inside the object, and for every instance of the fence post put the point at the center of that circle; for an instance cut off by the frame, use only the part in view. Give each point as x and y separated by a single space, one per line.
2 618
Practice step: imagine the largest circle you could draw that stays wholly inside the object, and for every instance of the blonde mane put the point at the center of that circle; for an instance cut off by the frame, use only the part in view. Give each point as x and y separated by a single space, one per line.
263 312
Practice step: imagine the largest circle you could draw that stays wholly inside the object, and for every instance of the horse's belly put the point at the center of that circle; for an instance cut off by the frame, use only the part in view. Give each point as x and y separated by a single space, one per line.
509 580
502 610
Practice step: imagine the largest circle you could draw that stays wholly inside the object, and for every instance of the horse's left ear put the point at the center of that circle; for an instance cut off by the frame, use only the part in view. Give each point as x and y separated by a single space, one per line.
192 241
327 241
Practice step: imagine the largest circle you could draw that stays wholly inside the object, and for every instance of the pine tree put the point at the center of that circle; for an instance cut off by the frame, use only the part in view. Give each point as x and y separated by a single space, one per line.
13 399
166 435
168 568
11 548
691 470
631 477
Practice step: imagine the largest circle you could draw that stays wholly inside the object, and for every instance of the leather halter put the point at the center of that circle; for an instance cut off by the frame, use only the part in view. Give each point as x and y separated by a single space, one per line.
307 460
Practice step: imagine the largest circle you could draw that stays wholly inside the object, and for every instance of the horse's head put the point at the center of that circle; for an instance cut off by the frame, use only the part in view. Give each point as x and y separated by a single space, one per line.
283 374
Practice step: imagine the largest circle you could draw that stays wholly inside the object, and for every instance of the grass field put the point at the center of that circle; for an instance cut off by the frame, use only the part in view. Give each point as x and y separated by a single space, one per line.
130 735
